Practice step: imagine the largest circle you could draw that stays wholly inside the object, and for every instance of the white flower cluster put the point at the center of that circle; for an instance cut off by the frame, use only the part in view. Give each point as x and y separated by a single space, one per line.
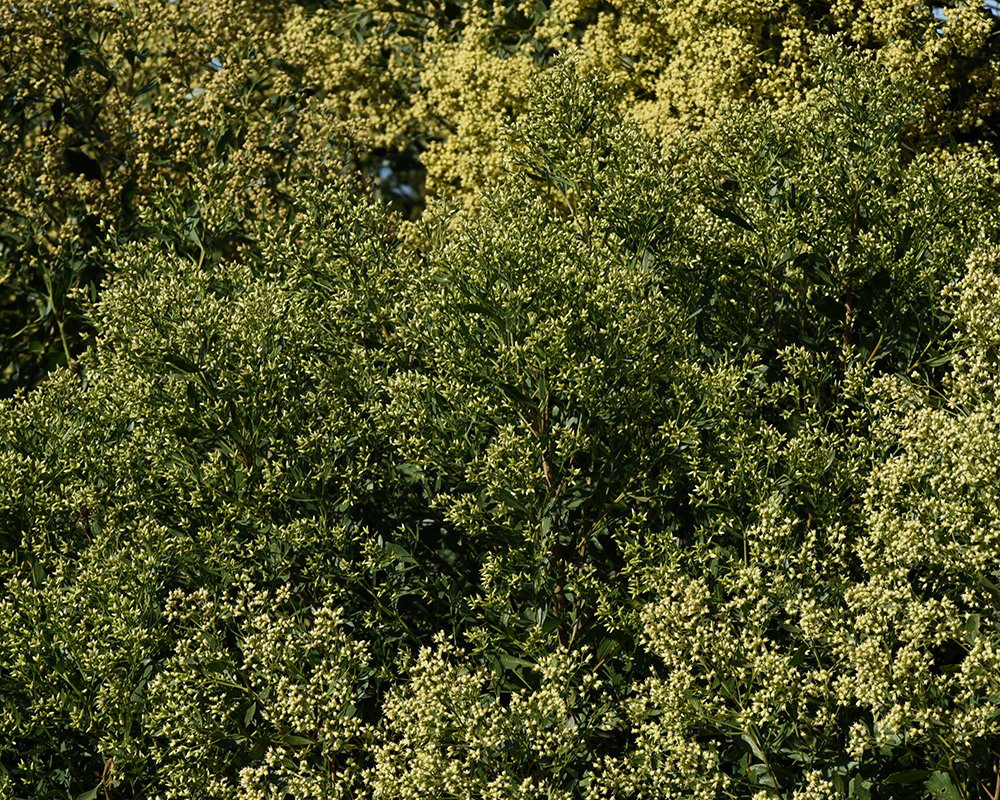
447 734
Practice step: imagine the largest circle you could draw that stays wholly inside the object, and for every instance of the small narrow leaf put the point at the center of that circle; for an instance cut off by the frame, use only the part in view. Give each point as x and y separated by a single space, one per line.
731 216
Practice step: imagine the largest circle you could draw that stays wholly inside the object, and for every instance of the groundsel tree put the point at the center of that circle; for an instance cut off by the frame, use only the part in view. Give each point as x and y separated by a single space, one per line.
650 473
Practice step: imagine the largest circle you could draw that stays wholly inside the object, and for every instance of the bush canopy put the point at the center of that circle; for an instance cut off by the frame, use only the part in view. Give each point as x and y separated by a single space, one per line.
643 464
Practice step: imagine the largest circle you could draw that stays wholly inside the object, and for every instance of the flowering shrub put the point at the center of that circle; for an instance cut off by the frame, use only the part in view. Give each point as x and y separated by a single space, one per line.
646 474
151 121
188 121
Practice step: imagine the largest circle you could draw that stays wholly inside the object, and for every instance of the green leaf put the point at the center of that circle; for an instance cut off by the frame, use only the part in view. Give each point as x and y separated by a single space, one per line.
401 553
298 741
181 364
941 787
605 647
971 630
513 393
71 65
989 586
512 662
860 788
101 69
509 499
908 776
731 216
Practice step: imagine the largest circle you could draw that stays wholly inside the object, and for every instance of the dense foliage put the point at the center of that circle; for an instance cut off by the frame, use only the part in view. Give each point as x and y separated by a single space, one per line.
660 467
185 121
